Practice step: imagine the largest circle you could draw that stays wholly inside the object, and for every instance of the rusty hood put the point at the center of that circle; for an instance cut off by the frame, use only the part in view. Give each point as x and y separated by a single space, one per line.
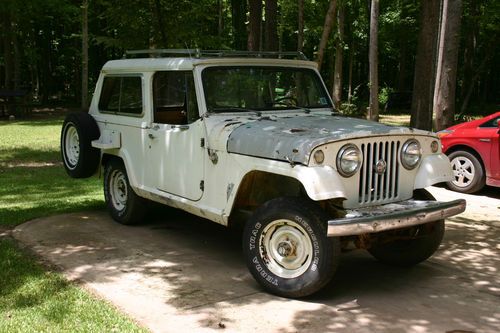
292 138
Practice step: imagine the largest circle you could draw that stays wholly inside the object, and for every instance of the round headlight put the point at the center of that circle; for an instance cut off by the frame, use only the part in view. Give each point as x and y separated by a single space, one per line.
411 154
349 160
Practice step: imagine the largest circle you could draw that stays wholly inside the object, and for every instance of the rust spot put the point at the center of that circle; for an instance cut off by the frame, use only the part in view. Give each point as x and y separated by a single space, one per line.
297 130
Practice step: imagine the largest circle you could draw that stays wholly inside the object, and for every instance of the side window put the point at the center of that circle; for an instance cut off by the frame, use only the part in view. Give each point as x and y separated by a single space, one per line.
174 98
121 94
491 123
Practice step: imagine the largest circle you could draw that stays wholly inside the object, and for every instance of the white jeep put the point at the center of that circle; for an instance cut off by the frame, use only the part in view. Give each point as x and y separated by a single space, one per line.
252 139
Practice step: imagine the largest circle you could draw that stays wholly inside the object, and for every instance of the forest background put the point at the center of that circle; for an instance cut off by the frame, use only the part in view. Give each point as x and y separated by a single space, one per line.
431 57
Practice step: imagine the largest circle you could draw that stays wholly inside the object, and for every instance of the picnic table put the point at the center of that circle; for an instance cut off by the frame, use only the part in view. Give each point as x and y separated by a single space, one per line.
12 100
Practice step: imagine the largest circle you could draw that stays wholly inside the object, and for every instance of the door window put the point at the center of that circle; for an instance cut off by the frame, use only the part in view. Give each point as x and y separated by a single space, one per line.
174 98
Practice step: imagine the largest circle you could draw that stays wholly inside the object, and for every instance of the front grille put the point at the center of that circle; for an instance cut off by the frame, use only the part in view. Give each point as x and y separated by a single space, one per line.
374 187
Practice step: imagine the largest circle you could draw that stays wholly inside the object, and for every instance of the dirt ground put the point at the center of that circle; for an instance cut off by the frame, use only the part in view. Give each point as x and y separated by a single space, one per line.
178 273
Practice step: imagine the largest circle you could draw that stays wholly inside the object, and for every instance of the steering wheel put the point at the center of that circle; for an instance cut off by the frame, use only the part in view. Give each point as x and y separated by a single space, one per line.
286 100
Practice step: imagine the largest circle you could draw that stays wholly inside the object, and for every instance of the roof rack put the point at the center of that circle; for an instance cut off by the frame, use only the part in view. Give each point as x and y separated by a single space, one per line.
197 53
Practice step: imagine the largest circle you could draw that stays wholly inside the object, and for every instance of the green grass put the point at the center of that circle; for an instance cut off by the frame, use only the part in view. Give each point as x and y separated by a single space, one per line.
33 183
33 300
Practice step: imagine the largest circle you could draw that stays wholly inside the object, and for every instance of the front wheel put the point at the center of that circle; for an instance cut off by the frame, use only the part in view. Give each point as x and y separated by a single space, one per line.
123 203
287 250
408 246
468 173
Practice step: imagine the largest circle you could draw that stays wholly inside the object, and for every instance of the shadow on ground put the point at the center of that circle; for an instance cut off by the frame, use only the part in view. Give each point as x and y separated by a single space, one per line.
182 265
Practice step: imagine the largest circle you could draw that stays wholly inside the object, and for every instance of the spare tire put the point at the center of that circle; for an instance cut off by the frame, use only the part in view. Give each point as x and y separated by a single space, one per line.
80 159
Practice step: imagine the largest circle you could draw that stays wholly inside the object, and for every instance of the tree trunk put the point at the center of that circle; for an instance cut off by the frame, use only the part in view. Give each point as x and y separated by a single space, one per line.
403 46
85 56
327 29
373 60
161 24
446 76
255 7
423 84
300 34
17 61
271 25
351 63
471 31
220 13
7 50
339 59
238 13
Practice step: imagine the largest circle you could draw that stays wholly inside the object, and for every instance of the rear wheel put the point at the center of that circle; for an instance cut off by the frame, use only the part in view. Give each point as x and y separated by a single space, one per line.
80 159
287 250
408 246
124 205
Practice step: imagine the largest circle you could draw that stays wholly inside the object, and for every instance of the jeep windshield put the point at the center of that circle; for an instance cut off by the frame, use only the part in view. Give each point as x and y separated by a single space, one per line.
263 88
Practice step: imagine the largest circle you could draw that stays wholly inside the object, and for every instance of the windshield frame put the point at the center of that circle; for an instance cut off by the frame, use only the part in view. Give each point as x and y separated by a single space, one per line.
314 75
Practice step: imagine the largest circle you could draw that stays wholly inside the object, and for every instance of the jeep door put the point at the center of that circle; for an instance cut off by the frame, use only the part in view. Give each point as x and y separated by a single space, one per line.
174 150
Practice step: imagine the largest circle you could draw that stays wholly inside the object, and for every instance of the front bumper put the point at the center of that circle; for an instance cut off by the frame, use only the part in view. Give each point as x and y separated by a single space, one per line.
393 216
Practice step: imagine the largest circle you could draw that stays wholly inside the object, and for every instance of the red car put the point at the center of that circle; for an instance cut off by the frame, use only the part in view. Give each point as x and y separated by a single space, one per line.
473 149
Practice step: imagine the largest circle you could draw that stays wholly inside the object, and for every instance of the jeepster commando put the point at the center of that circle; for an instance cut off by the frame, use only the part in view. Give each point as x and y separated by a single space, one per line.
254 140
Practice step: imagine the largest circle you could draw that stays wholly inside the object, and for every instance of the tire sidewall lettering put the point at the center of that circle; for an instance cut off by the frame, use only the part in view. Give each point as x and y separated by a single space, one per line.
314 240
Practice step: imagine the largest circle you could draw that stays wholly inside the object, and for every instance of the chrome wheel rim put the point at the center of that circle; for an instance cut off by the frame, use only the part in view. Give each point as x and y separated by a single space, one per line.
71 146
463 171
118 190
286 248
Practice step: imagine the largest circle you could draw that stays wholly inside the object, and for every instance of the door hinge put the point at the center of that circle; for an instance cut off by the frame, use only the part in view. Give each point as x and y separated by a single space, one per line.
202 142
202 185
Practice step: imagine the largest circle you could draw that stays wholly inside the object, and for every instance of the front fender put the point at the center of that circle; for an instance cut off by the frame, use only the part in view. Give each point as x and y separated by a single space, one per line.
433 169
320 183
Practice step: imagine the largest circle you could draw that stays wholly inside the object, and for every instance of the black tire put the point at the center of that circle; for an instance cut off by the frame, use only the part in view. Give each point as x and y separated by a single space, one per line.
80 159
408 246
124 205
468 173
297 229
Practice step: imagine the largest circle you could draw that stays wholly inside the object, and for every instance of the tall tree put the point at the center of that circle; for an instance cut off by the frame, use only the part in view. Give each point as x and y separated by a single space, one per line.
339 58
255 7
161 25
373 113
423 85
271 42
300 34
8 52
85 55
238 16
447 64
327 29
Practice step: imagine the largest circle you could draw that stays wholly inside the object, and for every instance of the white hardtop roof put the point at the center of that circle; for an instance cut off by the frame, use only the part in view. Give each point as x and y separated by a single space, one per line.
186 63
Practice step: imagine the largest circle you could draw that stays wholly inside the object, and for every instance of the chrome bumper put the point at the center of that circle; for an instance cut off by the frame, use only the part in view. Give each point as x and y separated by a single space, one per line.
393 216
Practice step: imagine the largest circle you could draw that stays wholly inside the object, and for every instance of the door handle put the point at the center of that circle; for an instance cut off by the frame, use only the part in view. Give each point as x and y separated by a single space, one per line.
181 127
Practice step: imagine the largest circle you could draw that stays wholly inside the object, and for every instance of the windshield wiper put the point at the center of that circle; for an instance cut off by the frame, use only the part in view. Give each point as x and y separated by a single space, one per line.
235 109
